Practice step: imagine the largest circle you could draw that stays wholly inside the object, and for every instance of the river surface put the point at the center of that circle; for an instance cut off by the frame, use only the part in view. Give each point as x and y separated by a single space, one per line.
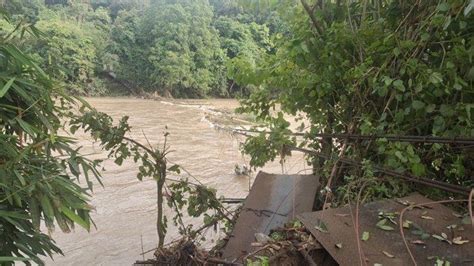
125 208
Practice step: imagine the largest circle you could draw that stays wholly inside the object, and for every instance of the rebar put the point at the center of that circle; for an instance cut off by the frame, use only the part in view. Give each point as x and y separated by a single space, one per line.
416 139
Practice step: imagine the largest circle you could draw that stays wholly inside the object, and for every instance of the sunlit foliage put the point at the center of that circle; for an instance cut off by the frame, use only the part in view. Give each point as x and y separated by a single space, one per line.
373 67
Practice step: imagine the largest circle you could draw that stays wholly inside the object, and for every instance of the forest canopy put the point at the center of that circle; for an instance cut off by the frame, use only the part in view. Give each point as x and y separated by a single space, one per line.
371 69
174 48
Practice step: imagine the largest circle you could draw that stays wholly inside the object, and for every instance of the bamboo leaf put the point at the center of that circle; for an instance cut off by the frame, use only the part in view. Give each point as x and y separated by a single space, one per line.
10 259
47 207
75 218
35 213
12 214
7 86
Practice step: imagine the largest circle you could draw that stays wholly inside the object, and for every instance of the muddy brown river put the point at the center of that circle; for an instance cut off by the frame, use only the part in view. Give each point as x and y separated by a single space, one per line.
125 208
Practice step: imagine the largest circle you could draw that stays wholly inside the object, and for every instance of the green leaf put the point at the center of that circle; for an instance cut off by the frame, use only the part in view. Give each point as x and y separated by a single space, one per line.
75 218
398 84
7 86
47 207
175 168
387 80
430 108
443 7
35 213
7 259
25 126
425 36
382 225
417 105
469 8
436 78
304 47
396 51
401 157
365 236
447 110
418 169
20 177
119 160
13 214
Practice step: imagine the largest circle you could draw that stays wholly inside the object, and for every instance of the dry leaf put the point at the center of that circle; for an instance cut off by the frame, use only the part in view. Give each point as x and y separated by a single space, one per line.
459 241
341 214
418 242
321 227
388 254
405 202
452 226
276 247
457 214
443 237
339 245
407 223
427 217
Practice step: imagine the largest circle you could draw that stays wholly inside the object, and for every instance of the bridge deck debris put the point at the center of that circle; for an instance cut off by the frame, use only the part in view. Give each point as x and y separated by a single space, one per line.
432 232
272 201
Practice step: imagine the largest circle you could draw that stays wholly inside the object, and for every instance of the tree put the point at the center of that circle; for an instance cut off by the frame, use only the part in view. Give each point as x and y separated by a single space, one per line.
244 43
73 50
39 167
371 68
185 52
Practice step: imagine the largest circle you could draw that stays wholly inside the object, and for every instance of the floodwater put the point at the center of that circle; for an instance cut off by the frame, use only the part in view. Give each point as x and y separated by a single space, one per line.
125 208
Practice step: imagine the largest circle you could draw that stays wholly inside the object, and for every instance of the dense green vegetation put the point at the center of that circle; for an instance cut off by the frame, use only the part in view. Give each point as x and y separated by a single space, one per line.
370 67
64 52
39 168
174 48
352 67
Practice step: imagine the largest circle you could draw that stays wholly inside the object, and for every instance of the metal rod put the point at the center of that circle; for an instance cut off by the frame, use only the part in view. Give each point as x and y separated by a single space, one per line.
421 180
416 139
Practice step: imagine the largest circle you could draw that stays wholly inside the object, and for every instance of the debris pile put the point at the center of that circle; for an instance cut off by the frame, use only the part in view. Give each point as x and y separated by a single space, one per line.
273 201
276 226
292 244
182 252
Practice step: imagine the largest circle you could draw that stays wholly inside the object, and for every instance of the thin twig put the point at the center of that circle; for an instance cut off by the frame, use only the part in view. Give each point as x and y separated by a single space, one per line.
471 195
400 222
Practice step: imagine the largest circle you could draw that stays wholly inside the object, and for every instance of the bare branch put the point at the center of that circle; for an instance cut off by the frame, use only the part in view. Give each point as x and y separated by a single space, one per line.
310 13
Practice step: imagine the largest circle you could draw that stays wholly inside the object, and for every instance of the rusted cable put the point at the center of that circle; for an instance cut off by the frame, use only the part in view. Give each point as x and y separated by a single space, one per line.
415 139
421 180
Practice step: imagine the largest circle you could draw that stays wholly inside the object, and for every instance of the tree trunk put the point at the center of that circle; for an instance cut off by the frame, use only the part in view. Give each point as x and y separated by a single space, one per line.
160 227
